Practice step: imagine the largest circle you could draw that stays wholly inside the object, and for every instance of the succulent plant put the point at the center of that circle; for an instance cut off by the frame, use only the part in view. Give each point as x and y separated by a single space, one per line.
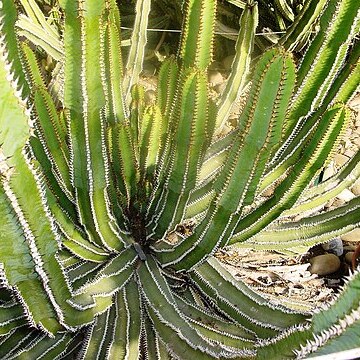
113 207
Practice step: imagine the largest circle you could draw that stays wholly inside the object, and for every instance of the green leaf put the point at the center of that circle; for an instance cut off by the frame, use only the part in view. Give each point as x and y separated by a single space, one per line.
308 231
137 49
260 129
317 151
186 153
109 280
10 45
324 57
167 318
240 67
40 36
198 32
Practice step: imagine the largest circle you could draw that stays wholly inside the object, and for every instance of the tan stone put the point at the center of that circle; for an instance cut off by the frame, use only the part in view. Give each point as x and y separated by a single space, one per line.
329 204
347 143
349 256
150 96
354 136
346 195
352 236
349 247
338 202
220 87
357 142
173 238
347 133
215 78
329 171
268 192
340 159
349 153
324 264
356 189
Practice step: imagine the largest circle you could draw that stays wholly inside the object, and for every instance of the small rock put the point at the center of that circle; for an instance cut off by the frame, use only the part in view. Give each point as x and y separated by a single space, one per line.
150 96
280 290
352 236
329 204
354 136
338 202
347 144
215 78
173 238
349 247
268 191
357 142
349 256
324 264
334 246
349 153
233 122
220 87
329 171
356 189
346 195
333 282
357 119
340 159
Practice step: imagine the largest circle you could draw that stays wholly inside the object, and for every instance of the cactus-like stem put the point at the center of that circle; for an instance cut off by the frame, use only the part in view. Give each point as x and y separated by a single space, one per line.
112 207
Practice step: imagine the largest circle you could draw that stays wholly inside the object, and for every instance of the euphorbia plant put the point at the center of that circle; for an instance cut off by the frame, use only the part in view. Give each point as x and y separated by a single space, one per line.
112 209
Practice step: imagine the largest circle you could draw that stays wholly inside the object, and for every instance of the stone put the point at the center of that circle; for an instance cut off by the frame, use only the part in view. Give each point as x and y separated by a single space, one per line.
324 264
329 171
340 159
334 246
329 204
352 236
356 188
349 256
346 195
269 191
150 97
347 144
347 133
349 247
357 142
173 238
220 87
280 290
349 153
338 202
215 78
